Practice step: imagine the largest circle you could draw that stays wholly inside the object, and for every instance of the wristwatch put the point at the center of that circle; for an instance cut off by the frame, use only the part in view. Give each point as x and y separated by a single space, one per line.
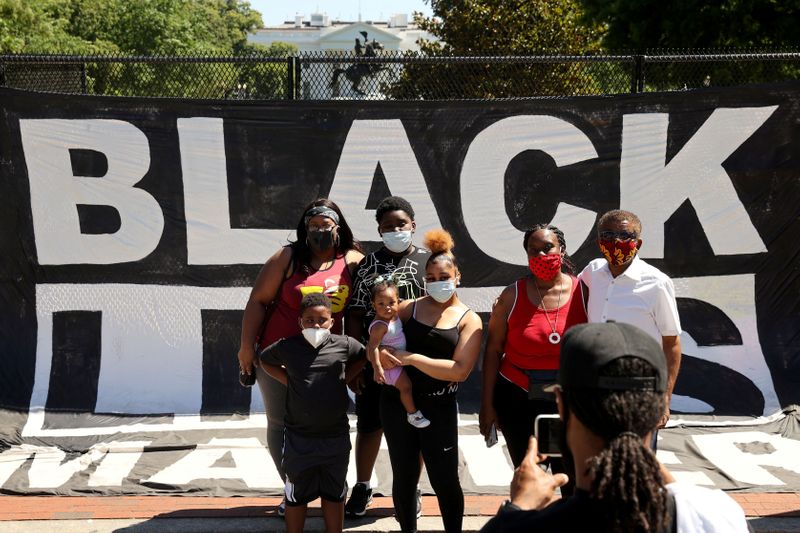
508 507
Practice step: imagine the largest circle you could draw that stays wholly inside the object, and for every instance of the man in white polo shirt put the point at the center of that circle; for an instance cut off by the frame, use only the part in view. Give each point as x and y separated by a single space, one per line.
623 288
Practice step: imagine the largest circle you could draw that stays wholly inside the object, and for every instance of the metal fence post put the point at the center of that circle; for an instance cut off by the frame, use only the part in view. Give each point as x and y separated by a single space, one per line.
637 80
84 84
290 88
298 80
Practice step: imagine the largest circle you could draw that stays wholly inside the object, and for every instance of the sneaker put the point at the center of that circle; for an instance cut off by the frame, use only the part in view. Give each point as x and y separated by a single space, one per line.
418 420
282 507
359 500
419 502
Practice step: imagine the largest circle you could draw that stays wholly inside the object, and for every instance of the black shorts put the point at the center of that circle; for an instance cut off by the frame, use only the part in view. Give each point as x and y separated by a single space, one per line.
316 467
368 404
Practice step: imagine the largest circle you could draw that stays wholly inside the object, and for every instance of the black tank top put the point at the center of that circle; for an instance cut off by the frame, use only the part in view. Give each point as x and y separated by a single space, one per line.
436 343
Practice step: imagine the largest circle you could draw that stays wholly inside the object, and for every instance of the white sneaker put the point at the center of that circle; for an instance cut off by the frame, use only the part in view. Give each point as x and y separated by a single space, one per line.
418 420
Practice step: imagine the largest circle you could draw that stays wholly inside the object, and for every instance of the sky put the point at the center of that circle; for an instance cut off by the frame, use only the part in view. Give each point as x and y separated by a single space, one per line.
275 12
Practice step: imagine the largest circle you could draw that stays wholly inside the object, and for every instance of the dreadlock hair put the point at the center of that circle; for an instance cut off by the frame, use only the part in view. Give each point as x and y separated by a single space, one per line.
441 245
382 285
626 477
618 215
567 265
393 203
301 252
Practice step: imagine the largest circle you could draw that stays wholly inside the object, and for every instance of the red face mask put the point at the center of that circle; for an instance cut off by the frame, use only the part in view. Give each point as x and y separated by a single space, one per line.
619 253
545 267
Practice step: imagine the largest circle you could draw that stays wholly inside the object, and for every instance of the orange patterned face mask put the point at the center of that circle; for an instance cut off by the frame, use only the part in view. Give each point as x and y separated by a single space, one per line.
619 253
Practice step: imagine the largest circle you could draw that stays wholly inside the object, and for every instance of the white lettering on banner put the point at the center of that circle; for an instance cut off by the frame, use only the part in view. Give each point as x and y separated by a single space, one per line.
253 465
114 461
55 191
151 343
483 176
487 466
210 240
49 470
117 464
734 296
726 452
654 189
384 142
695 478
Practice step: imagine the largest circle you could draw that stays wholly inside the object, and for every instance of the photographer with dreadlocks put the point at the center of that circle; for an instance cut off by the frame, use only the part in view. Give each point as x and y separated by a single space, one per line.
610 396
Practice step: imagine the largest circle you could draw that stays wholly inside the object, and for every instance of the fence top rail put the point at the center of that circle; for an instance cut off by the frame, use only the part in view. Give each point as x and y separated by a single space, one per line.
317 57
744 56
654 56
60 59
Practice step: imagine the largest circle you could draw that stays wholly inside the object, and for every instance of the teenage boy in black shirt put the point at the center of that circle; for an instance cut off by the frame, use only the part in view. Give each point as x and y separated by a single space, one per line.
405 263
314 367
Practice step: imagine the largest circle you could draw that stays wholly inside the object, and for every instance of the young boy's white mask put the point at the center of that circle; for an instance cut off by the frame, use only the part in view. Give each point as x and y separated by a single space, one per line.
316 336
397 241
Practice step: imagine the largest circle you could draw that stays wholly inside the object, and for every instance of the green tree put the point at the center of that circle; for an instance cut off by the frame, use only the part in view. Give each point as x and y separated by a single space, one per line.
642 24
140 28
506 28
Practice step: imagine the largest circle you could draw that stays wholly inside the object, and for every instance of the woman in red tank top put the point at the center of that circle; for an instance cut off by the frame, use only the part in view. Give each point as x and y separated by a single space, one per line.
321 260
525 330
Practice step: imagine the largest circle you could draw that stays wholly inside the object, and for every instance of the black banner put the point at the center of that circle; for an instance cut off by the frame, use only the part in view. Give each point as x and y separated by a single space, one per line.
132 229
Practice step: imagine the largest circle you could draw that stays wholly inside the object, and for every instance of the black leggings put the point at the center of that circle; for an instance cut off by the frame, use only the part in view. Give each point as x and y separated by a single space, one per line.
515 416
273 393
438 444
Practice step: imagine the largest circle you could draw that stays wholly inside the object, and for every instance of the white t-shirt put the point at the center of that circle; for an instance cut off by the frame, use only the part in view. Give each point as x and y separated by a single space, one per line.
642 295
704 510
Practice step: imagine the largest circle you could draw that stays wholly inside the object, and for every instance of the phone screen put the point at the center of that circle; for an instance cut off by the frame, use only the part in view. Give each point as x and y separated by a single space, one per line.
547 430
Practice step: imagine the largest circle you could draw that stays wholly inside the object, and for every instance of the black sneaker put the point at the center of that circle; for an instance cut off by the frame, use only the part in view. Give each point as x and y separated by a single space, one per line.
359 500
419 503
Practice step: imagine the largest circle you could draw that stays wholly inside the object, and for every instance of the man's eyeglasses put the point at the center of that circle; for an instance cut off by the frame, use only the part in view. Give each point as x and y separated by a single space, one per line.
617 235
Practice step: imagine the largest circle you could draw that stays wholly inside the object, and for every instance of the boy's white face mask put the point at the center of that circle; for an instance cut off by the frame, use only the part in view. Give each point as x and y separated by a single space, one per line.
316 336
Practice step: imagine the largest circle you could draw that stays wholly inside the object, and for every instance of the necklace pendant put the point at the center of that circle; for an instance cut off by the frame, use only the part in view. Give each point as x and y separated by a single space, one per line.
554 338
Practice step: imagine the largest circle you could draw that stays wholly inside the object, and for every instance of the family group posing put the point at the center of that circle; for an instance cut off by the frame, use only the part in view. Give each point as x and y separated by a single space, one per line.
322 315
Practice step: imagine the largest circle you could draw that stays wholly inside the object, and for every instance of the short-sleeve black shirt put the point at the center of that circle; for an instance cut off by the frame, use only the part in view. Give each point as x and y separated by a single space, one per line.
317 401
409 274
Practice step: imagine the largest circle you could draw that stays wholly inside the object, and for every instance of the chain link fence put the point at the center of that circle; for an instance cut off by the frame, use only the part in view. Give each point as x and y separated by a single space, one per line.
394 75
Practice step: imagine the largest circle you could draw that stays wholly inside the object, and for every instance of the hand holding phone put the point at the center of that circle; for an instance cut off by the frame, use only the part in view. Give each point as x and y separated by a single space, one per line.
491 438
247 380
547 430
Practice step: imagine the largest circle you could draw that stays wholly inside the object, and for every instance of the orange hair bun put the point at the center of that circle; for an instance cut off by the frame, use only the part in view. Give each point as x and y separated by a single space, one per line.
439 241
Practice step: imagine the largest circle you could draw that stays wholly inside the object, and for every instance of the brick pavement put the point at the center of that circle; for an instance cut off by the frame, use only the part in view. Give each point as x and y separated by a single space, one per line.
20 508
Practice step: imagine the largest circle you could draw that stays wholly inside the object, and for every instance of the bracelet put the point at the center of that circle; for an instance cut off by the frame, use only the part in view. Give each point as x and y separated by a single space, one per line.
507 507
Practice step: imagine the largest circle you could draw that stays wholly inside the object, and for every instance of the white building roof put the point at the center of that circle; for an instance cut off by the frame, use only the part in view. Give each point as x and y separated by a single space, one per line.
341 35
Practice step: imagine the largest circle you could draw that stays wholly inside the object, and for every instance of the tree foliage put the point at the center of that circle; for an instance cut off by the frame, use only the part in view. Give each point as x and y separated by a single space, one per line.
643 24
735 25
141 28
508 27
503 28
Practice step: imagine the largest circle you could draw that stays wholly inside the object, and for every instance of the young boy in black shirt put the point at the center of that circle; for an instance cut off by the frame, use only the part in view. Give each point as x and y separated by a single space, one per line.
313 366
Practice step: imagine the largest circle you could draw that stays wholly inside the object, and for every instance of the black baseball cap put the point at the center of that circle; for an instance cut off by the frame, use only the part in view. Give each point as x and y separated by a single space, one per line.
589 347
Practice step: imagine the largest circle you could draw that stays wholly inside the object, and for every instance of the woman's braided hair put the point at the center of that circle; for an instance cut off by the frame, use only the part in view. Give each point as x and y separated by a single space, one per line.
626 477
567 265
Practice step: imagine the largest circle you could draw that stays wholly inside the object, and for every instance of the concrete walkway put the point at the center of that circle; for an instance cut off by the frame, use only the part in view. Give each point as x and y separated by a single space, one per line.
767 512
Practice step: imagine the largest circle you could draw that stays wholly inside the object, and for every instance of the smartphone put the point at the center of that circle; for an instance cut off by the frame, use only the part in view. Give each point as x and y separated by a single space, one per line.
547 430
491 439
247 380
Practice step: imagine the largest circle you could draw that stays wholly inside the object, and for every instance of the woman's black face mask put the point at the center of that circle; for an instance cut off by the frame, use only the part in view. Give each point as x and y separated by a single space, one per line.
321 240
